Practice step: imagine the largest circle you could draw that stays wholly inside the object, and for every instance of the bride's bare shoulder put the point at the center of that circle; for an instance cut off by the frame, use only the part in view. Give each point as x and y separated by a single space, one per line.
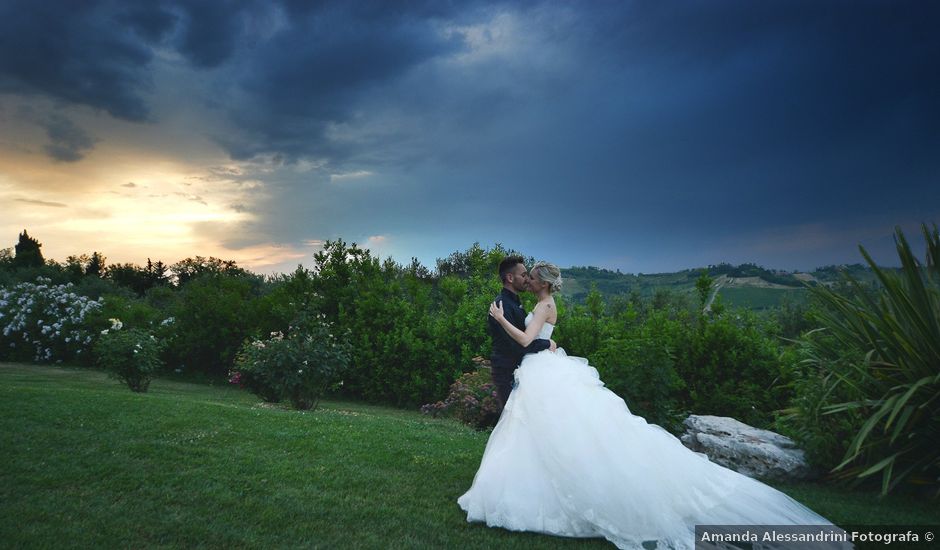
550 309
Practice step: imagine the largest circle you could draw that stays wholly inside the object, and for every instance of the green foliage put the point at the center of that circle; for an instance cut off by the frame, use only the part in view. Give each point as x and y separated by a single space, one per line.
582 331
665 360
641 370
130 355
300 366
762 299
704 287
214 315
130 276
460 329
730 366
411 334
476 261
189 269
96 265
132 314
898 332
287 296
793 317
810 368
410 337
754 270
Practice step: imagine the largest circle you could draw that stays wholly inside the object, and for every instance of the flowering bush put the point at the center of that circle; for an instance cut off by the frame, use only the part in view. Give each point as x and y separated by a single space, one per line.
131 355
300 366
43 322
472 400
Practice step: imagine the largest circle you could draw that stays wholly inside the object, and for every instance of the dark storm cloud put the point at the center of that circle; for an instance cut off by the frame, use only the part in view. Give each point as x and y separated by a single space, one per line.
152 21
792 108
99 54
677 120
73 52
212 30
67 142
315 73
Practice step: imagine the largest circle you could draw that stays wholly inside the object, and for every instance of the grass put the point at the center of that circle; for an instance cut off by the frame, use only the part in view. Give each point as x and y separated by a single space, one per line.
86 462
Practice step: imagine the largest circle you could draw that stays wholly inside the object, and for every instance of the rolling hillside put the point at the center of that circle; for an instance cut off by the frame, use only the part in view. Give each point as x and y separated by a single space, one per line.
746 285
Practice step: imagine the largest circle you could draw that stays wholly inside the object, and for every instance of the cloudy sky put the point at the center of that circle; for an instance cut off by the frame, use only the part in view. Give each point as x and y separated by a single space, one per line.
640 136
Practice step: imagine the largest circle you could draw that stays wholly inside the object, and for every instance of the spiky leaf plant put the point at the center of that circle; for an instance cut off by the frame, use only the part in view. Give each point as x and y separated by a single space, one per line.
898 330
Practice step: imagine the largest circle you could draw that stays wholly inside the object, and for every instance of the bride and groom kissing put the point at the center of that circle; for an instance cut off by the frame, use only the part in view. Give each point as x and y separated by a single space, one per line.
568 458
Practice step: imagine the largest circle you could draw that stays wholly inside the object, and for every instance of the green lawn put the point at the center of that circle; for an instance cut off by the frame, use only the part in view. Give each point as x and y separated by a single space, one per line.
85 462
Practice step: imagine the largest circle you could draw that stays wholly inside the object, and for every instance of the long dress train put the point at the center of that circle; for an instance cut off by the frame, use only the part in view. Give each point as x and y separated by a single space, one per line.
568 458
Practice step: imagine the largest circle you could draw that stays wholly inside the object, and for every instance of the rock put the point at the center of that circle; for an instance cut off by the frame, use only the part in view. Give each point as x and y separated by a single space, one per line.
481 362
746 449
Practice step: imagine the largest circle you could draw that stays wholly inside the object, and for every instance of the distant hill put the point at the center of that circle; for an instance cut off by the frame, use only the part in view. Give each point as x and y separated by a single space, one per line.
747 285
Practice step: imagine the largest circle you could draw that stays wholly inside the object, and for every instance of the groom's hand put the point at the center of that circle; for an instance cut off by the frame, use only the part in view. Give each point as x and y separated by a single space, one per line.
552 346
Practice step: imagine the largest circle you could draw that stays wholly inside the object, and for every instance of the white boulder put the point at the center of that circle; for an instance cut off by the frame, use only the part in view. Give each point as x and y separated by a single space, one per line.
751 451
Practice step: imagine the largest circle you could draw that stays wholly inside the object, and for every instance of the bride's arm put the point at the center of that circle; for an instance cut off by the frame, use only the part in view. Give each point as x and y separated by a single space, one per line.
531 331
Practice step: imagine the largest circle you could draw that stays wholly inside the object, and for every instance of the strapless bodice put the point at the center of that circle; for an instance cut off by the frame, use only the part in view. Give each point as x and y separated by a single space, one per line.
546 332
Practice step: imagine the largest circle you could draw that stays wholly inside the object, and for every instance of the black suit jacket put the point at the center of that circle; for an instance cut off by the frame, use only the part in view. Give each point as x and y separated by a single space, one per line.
507 353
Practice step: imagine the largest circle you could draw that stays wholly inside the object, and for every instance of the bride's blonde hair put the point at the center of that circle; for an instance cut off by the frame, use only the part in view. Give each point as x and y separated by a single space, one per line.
548 273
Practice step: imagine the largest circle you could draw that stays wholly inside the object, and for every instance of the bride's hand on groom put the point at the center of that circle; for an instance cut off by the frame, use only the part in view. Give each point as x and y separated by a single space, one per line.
552 345
496 311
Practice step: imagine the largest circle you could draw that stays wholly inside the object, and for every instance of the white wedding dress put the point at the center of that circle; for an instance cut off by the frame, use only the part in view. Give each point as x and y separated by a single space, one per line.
568 458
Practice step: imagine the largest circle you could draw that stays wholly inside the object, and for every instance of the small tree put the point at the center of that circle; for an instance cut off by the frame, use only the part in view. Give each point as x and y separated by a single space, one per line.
704 286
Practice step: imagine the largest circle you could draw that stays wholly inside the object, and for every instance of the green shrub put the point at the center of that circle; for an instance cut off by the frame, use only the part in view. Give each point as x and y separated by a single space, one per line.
300 366
642 372
130 355
730 366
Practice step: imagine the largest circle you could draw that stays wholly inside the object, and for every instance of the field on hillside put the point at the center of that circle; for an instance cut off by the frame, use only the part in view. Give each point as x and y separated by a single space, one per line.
86 462
760 298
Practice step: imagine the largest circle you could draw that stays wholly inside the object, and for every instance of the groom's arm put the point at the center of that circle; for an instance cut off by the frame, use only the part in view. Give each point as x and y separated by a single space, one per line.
536 346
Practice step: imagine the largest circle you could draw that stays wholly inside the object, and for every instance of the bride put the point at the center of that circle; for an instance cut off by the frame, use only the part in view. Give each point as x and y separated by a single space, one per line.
568 458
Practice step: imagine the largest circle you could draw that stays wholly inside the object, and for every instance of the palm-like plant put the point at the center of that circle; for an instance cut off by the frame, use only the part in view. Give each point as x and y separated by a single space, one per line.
898 329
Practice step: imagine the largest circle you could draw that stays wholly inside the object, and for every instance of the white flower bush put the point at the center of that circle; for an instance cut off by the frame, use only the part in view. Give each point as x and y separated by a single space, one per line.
43 322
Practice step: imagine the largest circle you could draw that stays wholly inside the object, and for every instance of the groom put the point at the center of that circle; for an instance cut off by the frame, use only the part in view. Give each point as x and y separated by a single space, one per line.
507 353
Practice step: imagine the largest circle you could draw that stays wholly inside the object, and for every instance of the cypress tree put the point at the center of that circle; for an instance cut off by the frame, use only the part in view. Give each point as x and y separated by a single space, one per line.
27 252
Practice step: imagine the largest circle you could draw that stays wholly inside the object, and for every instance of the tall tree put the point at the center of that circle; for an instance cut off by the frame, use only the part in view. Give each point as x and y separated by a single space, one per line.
129 276
157 273
95 265
75 267
27 252
191 268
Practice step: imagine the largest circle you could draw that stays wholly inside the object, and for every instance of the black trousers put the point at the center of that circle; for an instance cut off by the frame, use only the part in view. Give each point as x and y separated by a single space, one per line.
503 379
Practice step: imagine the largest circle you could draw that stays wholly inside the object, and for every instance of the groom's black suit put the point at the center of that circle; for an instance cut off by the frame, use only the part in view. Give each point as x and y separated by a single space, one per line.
507 353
